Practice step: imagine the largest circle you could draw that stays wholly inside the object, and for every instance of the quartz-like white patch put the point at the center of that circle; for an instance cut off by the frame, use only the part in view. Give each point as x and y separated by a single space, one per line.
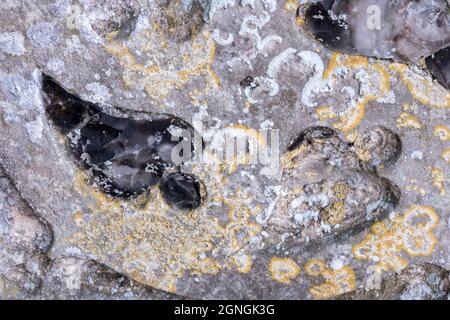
217 5
42 35
264 87
98 92
12 43
270 5
266 125
56 66
221 40
34 129
276 64
417 155
315 83
23 93
337 264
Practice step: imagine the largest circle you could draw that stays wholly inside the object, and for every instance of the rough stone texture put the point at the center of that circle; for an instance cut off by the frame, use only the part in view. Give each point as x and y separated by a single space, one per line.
422 282
28 270
251 65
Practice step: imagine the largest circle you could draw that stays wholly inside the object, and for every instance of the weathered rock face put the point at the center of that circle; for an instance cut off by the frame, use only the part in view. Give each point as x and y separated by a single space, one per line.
422 282
327 189
28 271
375 174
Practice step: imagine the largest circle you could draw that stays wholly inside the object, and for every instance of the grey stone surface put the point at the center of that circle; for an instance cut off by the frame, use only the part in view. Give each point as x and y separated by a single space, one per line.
251 65
422 282
28 271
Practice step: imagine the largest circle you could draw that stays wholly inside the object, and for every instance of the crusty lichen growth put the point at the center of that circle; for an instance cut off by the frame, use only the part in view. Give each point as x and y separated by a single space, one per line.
439 180
442 132
335 212
422 88
407 120
283 270
411 233
336 282
164 70
446 155
157 245
375 82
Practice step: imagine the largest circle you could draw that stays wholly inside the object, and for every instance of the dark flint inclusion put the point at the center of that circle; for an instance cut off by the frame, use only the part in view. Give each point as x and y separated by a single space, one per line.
64 109
124 155
181 191
439 66
335 34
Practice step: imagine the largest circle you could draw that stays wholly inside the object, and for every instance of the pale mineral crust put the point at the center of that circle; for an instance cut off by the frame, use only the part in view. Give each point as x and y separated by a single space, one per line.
422 282
369 204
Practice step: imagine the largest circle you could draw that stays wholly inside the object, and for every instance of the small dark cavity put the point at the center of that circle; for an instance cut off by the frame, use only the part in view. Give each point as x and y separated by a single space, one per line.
124 156
247 81
181 191
439 66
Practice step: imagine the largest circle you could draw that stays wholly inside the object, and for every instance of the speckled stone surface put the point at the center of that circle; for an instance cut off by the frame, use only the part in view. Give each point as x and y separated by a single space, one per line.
250 66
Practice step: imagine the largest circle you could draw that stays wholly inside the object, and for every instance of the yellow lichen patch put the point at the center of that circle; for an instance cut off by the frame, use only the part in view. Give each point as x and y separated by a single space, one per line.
283 270
149 244
163 65
78 217
446 155
154 244
439 180
415 187
407 120
357 140
336 282
299 21
410 233
375 88
422 88
289 159
442 132
291 5
325 113
334 213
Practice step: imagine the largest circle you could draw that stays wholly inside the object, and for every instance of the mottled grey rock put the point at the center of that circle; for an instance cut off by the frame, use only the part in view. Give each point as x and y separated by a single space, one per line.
250 66
12 43
422 282
28 272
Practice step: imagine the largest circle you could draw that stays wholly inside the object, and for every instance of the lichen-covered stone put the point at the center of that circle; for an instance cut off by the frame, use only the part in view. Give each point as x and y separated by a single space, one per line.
249 66
421 282
327 189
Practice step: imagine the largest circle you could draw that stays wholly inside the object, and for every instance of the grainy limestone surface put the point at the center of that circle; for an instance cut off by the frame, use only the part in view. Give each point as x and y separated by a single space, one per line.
240 66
